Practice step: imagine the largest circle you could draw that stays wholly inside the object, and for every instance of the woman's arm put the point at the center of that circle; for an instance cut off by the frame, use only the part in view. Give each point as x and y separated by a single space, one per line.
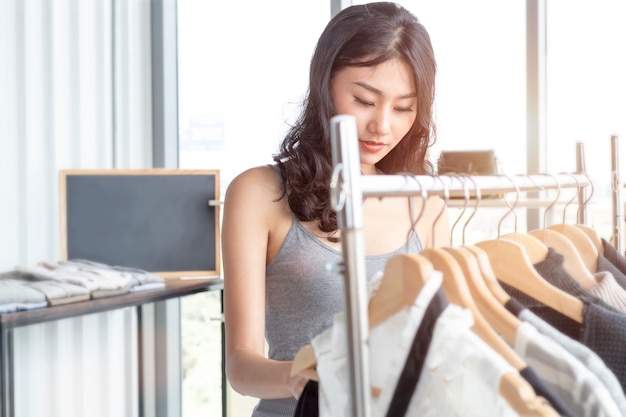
250 212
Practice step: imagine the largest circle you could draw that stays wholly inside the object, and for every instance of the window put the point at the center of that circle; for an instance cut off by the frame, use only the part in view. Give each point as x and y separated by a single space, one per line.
586 63
480 47
241 81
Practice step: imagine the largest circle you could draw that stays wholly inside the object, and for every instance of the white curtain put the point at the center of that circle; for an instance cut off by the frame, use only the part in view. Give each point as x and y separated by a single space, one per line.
75 92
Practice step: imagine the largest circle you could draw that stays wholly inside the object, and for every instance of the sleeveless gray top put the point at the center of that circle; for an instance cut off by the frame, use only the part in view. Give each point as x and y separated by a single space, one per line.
302 297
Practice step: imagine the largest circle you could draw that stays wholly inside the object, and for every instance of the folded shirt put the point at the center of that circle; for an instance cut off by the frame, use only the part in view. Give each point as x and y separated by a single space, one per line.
70 281
17 297
55 292
98 284
140 280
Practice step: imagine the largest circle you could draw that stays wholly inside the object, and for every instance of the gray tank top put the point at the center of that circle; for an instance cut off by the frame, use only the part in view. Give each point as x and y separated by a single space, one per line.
302 296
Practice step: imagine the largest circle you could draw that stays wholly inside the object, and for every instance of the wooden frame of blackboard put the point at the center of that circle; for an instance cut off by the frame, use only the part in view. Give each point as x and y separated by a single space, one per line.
91 196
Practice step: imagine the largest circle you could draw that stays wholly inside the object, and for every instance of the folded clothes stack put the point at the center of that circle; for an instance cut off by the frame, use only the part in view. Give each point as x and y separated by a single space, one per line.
48 284
140 280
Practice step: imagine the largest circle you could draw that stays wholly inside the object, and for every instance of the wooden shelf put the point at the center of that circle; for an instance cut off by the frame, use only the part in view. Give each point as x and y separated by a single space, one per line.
174 288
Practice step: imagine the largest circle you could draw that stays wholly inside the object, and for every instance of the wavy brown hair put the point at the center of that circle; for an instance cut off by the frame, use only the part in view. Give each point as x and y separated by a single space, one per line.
365 36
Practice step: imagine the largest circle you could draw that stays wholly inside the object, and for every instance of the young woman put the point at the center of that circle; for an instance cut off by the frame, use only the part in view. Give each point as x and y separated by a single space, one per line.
279 232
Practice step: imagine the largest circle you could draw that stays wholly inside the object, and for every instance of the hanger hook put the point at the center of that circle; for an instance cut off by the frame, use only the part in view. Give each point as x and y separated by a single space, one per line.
465 203
578 186
446 198
537 186
511 207
558 194
471 216
424 194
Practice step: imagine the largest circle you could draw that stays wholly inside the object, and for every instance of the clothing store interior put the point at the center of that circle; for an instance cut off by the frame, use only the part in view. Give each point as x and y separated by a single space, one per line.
124 123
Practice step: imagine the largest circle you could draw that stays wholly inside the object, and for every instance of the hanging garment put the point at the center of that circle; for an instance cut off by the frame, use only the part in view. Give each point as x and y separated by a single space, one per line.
603 330
609 291
511 264
308 403
576 386
613 256
542 390
416 359
614 266
302 296
460 376
458 270
581 352
552 270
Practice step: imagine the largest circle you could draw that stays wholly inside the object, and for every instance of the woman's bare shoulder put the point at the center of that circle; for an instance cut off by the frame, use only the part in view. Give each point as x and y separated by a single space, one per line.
260 182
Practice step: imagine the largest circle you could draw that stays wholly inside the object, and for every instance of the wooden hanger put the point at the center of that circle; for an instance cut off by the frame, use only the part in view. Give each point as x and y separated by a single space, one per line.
512 266
581 257
573 263
521 396
536 250
505 323
488 275
592 234
482 259
457 291
584 246
513 387
404 277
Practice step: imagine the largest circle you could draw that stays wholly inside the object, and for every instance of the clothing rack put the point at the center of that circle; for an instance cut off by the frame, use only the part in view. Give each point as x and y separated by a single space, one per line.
349 187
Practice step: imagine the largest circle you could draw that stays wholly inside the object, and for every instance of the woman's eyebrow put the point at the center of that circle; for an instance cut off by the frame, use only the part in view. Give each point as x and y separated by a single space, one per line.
380 93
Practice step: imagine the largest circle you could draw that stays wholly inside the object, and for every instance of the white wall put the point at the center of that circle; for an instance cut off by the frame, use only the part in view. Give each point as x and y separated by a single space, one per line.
74 93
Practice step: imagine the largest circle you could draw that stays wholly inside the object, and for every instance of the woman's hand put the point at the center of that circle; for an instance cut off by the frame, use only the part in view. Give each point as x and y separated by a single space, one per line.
296 385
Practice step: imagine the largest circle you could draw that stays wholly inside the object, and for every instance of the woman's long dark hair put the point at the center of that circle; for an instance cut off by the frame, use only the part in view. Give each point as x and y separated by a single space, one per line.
365 36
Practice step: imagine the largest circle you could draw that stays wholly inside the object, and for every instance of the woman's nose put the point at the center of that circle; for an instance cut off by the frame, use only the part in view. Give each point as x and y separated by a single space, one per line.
379 123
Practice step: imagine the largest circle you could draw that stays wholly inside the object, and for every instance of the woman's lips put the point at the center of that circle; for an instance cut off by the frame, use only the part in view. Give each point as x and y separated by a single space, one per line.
373 147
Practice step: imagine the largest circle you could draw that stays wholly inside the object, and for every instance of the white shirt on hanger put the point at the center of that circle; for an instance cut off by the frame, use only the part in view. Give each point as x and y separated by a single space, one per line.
580 390
460 377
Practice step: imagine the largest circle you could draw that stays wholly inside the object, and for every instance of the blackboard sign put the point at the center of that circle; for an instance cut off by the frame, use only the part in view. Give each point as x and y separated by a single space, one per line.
165 221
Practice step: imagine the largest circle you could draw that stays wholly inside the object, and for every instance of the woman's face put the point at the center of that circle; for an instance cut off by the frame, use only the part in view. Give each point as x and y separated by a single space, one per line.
383 101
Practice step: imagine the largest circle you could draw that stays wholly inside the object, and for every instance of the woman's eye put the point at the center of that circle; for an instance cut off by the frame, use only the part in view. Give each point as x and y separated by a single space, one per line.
364 102
404 109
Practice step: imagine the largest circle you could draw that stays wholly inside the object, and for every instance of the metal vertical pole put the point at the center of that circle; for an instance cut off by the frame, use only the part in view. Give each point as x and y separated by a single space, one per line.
7 377
536 160
164 83
338 5
618 217
582 193
166 337
347 197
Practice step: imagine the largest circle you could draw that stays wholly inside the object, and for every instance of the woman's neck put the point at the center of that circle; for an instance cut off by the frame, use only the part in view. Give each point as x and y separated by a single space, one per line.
370 170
